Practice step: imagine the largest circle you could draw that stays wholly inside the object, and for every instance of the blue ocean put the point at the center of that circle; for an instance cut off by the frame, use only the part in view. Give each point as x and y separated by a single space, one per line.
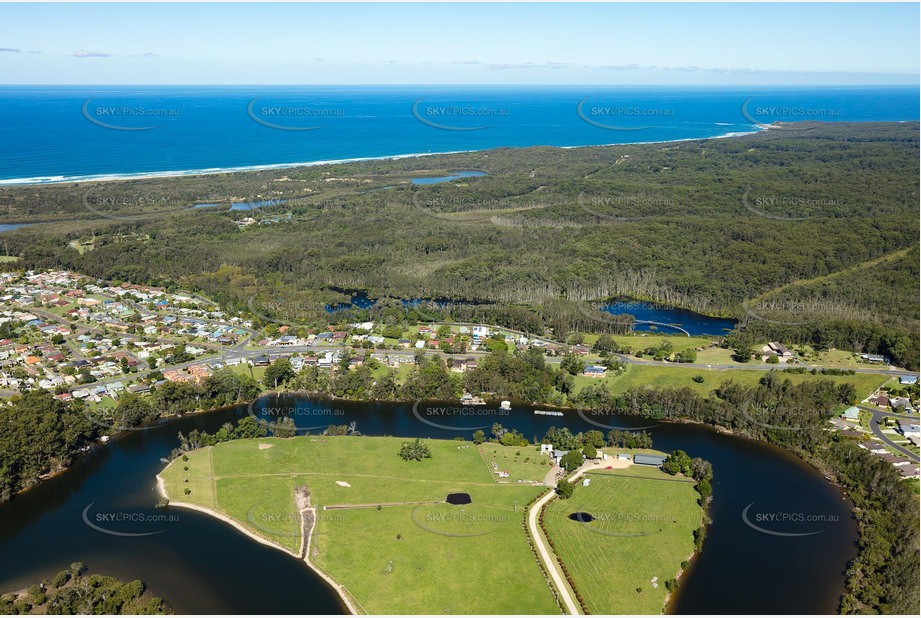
66 133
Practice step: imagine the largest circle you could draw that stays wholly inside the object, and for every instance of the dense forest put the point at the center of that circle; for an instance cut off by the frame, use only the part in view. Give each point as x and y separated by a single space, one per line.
817 224
807 235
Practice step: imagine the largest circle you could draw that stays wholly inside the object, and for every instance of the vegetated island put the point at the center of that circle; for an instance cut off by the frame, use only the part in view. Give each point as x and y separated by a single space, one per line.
74 591
400 526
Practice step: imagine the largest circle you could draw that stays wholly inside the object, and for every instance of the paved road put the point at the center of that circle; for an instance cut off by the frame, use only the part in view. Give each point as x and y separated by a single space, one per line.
547 557
760 366
546 554
877 430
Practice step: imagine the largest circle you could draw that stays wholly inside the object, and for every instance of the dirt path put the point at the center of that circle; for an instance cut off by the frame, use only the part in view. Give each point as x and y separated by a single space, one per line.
308 518
551 477
332 507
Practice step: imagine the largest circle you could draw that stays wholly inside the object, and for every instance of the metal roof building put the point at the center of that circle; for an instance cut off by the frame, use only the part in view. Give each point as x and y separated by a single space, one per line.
649 460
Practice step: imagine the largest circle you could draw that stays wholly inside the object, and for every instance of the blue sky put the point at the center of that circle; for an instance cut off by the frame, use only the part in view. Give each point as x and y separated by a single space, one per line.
735 44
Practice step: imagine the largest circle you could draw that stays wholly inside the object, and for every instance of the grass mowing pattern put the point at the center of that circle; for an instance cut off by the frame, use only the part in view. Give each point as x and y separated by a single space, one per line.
608 568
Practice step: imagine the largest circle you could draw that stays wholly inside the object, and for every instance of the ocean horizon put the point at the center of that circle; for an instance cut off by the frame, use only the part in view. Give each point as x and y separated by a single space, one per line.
55 134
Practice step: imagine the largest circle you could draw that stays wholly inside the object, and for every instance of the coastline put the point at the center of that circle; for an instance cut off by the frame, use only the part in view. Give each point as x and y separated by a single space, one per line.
112 177
307 536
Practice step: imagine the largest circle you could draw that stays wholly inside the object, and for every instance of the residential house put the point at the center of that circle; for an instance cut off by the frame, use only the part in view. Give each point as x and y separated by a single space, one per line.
780 350
895 460
595 371
874 447
880 400
851 414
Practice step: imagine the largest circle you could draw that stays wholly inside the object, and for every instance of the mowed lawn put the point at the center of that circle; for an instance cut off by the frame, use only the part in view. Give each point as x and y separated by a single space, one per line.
420 556
523 463
643 528
658 376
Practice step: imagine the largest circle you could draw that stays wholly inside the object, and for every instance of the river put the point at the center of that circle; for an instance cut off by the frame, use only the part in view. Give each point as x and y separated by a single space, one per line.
201 565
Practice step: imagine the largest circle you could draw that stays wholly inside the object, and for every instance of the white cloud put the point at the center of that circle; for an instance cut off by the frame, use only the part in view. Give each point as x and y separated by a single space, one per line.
82 53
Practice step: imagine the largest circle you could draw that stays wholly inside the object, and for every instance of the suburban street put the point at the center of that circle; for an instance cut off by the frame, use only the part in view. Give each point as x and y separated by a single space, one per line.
878 415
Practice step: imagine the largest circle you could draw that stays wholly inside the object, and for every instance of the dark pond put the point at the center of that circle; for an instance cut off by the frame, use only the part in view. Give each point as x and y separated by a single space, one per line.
581 517
458 499
201 565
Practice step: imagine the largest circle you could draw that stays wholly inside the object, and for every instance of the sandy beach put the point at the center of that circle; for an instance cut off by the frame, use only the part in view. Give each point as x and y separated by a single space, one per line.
309 514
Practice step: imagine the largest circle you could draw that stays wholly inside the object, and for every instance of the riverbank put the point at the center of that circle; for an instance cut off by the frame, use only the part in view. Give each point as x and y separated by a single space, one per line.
114 478
242 477
403 525
307 535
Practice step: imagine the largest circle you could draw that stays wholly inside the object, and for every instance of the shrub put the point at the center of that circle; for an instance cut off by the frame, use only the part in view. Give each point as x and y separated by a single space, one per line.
60 579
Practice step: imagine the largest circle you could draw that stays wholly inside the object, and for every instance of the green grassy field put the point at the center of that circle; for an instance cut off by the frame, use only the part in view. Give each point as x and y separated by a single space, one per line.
841 359
658 376
423 556
680 343
643 528
258 373
715 356
521 462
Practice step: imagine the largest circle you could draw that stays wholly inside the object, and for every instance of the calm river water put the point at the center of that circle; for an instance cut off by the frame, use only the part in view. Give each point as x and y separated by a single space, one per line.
201 565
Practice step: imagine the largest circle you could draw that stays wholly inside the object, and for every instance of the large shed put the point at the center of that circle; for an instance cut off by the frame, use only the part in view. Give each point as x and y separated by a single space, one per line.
649 460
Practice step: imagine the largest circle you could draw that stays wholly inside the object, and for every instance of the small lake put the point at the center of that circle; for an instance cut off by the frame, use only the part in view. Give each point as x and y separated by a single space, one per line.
242 205
200 565
664 315
255 205
455 176
692 322
9 227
